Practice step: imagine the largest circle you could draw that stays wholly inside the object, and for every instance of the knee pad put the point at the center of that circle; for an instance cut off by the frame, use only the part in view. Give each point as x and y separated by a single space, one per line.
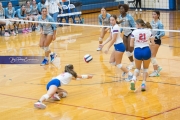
136 71
46 49
113 63
119 66
145 70
154 61
100 39
129 54
64 94
46 96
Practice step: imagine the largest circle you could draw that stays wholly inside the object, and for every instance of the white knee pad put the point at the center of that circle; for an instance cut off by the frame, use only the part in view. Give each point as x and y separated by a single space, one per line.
154 61
64 94
46 49
129 54
100 39
113 63
46 96
136 71
119 66
145 70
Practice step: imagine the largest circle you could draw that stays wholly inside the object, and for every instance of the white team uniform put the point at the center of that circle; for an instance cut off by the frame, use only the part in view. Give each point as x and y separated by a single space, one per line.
64 78
116 29
141 37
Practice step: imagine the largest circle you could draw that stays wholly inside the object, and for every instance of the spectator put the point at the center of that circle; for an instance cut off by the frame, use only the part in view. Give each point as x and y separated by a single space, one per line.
138 1
2 15
28 14
34 13
41 5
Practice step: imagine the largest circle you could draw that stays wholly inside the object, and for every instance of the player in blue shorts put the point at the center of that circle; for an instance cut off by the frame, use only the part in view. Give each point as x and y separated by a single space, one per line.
53 89
142 53
119 47
48 33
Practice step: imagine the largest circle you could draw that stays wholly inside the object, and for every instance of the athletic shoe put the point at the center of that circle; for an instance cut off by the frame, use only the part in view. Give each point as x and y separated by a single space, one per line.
53 56
56 97
99 49
44 62
27 30
159 69
143 87
24 31
6 34
123 74
30 30
13 33
129 78
154 74
136 10
16 30
39 105
132 85
140 10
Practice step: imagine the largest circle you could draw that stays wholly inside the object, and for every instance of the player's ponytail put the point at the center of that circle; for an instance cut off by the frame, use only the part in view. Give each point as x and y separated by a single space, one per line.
69 68
148 25
143 24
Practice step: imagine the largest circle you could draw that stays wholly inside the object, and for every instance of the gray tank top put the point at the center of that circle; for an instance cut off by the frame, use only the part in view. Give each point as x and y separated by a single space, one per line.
47 28
2 14
34 10
126 23
28 11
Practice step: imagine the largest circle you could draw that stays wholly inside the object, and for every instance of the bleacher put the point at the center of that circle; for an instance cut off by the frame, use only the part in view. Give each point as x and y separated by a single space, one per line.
15 3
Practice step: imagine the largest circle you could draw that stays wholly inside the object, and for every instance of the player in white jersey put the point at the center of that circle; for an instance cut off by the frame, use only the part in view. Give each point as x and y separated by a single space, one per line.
56 82
117 54
142 53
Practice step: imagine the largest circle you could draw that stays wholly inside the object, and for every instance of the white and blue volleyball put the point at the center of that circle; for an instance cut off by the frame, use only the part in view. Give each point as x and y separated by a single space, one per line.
88 58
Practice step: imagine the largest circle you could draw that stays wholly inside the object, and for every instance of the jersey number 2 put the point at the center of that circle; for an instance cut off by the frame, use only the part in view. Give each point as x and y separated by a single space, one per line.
142 36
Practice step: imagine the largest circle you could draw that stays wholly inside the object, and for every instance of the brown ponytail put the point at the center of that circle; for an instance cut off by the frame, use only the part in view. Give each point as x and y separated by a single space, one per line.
69 68
143 24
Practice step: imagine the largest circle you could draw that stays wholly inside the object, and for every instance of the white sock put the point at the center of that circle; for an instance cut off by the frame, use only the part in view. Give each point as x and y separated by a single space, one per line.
130 74
46 58
143 82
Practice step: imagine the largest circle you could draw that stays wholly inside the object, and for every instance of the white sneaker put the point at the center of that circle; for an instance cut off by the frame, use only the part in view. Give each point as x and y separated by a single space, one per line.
99 49
13 33
140 10
6 34
39 105
56 97
154 74
129 78
30 30
131 66
136 10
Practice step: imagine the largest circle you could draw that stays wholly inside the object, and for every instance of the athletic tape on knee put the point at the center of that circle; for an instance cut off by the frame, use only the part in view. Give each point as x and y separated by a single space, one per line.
154 61
64 94
46 49
113 63
145 70
119 66
46 96
128 54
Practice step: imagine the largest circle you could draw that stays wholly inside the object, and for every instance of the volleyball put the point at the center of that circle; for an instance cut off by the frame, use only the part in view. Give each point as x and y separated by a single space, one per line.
88 58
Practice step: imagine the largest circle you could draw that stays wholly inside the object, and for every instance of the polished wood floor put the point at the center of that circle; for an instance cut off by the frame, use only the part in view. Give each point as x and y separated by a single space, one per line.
106 96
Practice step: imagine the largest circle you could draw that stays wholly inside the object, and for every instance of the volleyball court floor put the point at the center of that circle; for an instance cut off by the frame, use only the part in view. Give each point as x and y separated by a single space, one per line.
106 96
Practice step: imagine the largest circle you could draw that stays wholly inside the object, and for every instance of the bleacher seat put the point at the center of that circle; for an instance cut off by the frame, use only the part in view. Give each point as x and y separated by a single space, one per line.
15 3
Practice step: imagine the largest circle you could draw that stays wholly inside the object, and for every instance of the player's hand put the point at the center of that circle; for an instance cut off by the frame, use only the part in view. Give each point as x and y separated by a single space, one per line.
90 76
106 51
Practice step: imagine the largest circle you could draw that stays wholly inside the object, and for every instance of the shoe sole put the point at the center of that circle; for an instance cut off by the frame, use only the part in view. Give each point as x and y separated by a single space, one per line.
133 86
143 89
44 64
40 106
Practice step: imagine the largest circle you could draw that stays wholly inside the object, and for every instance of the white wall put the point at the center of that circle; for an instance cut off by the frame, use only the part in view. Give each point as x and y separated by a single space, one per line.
162 4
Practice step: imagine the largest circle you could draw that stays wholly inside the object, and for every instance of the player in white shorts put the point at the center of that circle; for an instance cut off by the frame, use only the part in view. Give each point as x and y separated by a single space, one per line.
53 86
142 53
117 54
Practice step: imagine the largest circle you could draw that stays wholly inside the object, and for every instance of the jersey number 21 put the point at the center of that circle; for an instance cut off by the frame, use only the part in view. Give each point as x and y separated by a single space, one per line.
142 36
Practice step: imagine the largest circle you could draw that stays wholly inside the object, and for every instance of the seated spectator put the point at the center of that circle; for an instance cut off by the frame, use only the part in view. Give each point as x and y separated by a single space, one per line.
10 15
28 14
34 13
2 15
41 5
21 14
